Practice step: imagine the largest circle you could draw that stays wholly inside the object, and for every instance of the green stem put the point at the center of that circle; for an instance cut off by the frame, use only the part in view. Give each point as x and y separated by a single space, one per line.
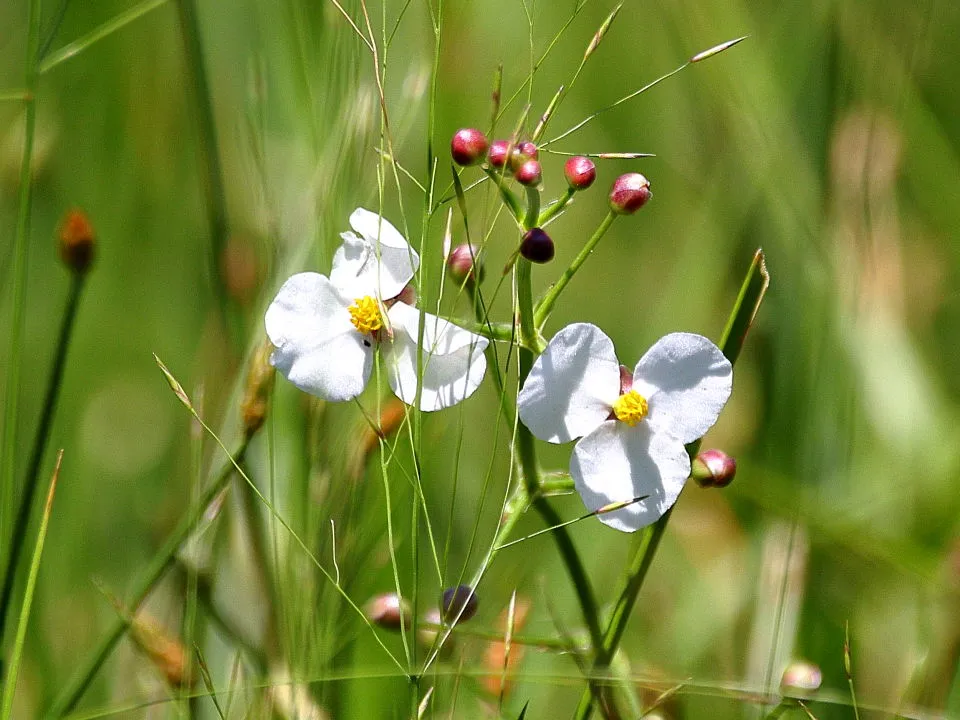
19 275
40 438
258 543
70 695
556 208
208 148
506 194
744 311
546 304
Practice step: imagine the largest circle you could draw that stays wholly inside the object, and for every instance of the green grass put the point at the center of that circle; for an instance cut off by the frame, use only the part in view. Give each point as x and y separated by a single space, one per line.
829 137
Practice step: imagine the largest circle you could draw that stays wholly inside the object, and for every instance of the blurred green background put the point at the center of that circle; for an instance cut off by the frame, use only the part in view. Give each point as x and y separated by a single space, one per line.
829 138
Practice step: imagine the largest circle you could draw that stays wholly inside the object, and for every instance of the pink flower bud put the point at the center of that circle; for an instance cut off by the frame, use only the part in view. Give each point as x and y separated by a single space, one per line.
580 172
464 264
497 156
713 468
800 678
630 192
388 611
523 152
529 173
468 146
536 246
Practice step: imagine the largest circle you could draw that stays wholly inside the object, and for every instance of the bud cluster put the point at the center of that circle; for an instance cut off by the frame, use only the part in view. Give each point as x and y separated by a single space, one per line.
521 160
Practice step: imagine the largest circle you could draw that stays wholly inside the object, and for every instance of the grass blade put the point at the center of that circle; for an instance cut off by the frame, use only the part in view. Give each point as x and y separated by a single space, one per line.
10 682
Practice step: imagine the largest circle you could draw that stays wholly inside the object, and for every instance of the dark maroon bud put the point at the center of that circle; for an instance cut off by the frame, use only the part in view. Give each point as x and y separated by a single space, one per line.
464 264
713 468
459 603
388 611
630 192
536 246
523 152
800 678
580 172
626 379
468 146
529 173
497 156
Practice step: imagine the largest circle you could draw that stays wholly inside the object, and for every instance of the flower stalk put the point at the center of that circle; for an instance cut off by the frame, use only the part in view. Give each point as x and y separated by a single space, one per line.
545 307
744 311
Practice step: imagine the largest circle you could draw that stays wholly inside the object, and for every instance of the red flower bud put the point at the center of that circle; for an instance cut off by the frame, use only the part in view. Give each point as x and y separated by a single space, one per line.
580 172
497 156
468 146
630 192
523 152
529 173
77 241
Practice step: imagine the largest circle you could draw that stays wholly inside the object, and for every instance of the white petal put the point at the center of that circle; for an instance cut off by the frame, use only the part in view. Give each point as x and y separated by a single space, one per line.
318 348
617 463
572 386
453 359
375 260
687 381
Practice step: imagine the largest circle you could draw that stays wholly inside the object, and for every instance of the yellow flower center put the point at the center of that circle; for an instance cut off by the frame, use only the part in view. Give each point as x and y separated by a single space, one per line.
630 408
365 315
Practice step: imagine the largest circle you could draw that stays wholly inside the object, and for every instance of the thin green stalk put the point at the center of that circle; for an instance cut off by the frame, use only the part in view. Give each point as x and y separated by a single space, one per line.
40 438
258 543
546 304
744 311
10 682
164 559
208 148
20 271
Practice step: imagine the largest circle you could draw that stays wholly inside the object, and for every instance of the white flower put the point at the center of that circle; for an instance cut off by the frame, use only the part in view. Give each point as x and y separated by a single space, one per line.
632 428
326 330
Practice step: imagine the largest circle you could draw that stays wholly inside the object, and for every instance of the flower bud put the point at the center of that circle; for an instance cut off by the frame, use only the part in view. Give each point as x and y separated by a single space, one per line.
459 603
77 241
468 146
629 193
529 173
408 296
580 172
256 395
464 264
388 611
165 651
800 678
523 152
536 246
713 468
497 157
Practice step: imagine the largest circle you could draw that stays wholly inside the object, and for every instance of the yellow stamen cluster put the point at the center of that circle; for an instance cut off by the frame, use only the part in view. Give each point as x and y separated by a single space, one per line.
630 408
365 315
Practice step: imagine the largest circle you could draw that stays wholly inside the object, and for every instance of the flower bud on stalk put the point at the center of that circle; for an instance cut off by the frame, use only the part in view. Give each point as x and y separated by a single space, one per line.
77 241
629 193
497 156
800 678
464 264
468 146
523 153
167 653
713 468
580 172
388 611
529 173
536 246
459 603
256 396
